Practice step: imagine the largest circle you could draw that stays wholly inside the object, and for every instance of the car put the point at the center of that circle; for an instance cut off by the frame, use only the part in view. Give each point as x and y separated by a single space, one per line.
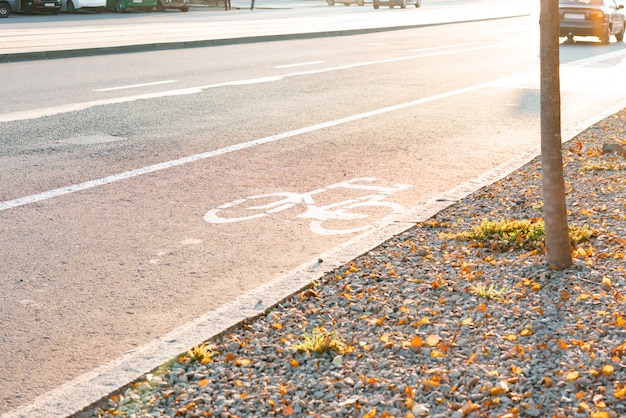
163 5
346 2
600 18
392 3
72 6
50 6
8 6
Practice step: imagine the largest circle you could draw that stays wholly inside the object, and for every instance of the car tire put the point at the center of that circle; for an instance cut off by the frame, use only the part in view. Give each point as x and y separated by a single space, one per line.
360 2
5 10
376 4
331 2
119 6
418 3
70 7
403 4
605 38
184 9
620 35
160 7
346 4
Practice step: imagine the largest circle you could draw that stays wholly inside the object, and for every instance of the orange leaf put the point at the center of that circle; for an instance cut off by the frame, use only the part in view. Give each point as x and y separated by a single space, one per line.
277 325
562 344
471 358
416 342
620 393
288 411
526 333
370 414
481 307
510 337
607 370
203 382
294 363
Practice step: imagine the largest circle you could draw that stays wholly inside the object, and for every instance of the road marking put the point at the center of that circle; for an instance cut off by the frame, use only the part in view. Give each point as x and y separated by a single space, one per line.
10 204
299 65
71 107
132 86
446 46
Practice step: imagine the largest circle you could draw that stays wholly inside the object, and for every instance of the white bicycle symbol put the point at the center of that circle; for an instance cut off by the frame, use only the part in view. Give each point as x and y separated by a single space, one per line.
318 214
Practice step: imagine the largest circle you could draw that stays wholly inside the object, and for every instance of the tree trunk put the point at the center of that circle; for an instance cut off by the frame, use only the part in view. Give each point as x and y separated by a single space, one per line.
555 212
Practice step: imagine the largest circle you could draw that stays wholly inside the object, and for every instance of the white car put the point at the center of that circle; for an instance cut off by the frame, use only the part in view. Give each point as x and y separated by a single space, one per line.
345 2
71 6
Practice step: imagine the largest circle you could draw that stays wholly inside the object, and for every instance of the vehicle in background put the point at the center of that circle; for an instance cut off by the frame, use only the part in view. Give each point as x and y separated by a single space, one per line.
49 6
346 2
601 18
163 5
8 6
392 3
120 6
72 6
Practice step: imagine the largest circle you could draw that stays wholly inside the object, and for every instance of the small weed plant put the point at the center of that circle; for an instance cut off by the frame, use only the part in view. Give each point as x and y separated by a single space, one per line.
201 353
505 235
489 292
319 341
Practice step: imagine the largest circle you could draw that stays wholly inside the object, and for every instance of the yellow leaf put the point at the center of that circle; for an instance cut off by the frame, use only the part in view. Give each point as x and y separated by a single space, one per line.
572 376
433 339
526 333
436 354
277 325
607 370
600 414
620 393
384 338
536 287
583 406
471 358
606 281
243 362
510 337
467 321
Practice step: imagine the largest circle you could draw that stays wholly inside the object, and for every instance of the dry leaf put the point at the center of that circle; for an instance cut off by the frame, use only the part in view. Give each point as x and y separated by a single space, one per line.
432 340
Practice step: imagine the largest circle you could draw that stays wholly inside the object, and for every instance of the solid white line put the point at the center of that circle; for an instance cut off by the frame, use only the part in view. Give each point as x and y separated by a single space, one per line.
300 64
210 154
445 46
132 86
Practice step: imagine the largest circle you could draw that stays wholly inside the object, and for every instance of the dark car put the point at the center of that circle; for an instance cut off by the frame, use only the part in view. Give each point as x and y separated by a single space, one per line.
601 18
50 6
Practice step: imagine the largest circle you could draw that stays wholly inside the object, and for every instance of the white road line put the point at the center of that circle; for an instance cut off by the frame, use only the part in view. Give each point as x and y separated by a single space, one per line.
10 204
51 111
446 46
132 86
299 65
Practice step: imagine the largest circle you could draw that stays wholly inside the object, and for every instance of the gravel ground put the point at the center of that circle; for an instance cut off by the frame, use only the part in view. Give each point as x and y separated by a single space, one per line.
429 325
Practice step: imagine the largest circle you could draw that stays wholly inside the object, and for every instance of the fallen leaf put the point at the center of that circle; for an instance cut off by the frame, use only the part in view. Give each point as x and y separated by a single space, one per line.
433 339
417 342
607 370
572 376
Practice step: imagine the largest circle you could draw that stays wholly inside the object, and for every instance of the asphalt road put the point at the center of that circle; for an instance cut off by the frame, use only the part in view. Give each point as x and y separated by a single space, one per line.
121 177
